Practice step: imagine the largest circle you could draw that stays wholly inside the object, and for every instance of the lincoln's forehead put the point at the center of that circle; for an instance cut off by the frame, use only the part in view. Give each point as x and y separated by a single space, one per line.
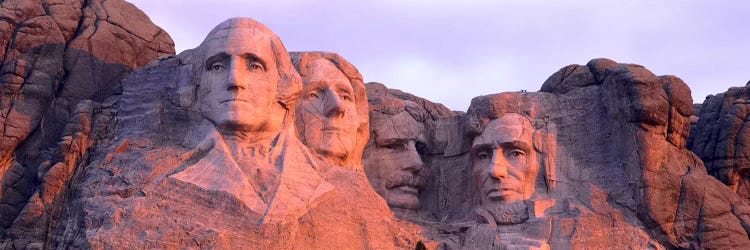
508 128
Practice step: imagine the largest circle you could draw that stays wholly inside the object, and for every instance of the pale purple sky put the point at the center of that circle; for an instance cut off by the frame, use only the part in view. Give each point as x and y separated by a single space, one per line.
451 51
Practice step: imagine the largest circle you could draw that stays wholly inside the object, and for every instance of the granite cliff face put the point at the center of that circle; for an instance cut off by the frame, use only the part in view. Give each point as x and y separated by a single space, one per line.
62 62
239 144
719 138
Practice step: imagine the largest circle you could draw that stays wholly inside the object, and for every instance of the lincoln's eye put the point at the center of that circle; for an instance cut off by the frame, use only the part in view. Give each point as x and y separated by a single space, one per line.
256 66
516 154
483 155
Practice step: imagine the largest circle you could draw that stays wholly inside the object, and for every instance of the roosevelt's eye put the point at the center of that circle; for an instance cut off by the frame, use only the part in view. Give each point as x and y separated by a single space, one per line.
256 66
516 153
420 147
395 146
483 155
312 95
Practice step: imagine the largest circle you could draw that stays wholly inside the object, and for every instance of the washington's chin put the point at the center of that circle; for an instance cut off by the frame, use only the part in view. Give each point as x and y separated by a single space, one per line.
403 197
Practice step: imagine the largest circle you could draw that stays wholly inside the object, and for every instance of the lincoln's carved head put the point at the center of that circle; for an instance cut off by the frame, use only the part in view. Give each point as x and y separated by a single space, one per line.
511 164
332 112
246 80
505 162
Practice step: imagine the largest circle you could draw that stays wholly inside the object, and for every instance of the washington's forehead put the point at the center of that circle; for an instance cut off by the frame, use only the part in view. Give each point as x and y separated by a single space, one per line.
239 42
223 34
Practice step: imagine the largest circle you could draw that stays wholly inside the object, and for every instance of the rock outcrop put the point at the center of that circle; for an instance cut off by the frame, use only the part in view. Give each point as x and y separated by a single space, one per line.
720 139
62 62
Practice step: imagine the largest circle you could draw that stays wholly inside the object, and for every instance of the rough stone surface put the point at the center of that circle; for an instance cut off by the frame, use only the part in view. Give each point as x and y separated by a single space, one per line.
720 138
62 61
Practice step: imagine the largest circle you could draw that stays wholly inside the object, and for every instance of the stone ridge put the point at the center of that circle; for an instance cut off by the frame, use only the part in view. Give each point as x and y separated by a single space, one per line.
62 62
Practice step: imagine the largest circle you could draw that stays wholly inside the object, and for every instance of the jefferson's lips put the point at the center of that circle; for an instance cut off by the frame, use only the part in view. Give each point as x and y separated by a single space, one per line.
408 189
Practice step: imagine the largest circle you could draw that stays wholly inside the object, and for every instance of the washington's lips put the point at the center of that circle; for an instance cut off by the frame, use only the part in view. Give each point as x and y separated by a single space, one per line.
234 100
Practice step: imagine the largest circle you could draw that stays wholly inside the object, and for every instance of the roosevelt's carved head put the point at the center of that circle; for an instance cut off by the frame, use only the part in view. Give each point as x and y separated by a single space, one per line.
332 112
246 80
392 158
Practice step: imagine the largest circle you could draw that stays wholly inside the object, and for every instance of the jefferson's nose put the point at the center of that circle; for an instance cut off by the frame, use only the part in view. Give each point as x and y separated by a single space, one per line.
499 165
333 105
412 162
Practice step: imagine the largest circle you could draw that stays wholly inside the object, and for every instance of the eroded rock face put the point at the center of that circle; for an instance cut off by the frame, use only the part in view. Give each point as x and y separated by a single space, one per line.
62 61
720 139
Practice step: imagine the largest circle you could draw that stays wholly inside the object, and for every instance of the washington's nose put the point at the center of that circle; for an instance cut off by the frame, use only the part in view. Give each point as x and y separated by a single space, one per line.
333 105
499 166
412 161
236 79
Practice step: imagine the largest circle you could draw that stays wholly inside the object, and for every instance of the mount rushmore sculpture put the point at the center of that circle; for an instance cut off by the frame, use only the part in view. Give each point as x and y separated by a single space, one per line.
240 144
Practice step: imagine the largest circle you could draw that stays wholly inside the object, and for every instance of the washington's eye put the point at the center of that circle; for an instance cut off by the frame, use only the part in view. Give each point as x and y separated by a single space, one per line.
216 67
256 66
516 154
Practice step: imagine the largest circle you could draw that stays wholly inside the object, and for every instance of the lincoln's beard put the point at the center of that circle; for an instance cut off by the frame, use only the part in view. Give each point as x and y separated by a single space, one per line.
508 214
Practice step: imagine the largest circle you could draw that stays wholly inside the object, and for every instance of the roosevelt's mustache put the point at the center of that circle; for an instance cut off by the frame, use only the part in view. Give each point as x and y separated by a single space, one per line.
405 179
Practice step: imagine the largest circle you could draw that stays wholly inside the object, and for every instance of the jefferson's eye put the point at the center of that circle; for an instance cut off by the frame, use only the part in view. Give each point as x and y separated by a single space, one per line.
346 97
256 66
516 154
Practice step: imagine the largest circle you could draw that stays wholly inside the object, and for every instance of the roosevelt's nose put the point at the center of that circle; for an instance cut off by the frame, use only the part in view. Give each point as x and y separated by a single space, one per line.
332 105
237 78
499 168
412 162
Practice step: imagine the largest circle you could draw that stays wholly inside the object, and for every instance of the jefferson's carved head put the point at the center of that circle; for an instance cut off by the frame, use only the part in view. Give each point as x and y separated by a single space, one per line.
332 112
246 80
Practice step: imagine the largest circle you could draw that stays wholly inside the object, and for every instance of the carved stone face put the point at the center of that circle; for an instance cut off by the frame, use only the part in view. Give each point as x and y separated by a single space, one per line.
238 83
505 165
328 111
392 161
